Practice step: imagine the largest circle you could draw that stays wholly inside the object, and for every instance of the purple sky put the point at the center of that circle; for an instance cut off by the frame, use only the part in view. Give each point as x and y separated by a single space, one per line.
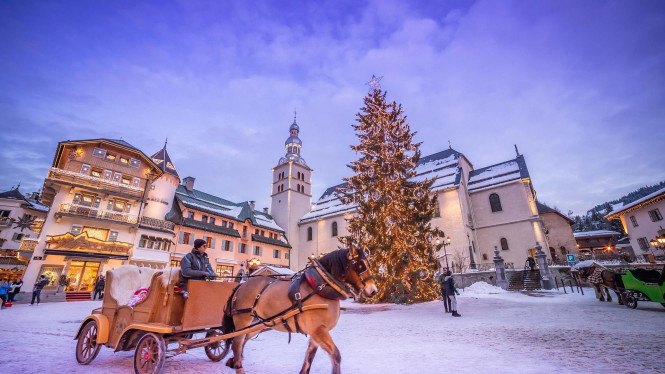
579 86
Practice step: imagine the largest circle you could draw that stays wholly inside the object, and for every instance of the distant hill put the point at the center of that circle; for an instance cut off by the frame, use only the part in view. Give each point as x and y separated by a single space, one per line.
593 220
626 199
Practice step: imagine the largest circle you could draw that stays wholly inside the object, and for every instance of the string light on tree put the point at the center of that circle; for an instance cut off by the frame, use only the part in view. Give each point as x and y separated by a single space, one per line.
393 219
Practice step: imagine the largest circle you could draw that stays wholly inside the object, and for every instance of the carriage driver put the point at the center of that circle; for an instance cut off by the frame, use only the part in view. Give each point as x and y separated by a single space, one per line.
195 265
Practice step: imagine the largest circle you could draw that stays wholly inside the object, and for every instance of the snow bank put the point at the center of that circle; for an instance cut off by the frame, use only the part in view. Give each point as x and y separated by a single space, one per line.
483 288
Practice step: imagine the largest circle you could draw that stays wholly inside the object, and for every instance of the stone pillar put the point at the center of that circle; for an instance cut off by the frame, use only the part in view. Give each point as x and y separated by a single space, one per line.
546 281
501 280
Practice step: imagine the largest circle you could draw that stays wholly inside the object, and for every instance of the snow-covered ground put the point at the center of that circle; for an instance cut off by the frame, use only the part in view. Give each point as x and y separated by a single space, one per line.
499 332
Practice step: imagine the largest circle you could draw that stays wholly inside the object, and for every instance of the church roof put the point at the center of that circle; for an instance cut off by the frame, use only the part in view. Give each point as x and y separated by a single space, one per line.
498 174
205 202
444 168
163 160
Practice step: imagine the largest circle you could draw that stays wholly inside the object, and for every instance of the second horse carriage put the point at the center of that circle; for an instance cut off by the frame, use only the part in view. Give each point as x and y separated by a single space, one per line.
641 285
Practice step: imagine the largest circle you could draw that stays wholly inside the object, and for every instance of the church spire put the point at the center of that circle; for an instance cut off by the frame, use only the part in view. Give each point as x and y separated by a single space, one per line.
293 144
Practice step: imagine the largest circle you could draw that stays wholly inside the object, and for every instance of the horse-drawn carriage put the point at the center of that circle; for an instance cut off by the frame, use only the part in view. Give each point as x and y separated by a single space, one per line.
641 285
166 323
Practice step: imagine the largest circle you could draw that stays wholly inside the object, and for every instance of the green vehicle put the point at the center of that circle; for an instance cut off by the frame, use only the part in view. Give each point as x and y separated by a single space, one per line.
642 285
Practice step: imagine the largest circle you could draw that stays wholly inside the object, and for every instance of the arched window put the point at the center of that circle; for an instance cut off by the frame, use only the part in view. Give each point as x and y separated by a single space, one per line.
563 250
334 229
309 234
504 244
495 203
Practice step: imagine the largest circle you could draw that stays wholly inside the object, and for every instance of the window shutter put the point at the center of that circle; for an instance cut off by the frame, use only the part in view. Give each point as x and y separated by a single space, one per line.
230 246
191 239
182 237
260 251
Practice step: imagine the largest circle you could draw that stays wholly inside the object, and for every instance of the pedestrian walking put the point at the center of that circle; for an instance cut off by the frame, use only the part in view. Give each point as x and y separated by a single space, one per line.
99 287
4 290
532 263
15 289
451 291
36 292
444 294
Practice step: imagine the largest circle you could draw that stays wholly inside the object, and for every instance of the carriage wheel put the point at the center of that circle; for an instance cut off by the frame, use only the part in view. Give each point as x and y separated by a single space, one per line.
630 301
150 354
86 347
218 350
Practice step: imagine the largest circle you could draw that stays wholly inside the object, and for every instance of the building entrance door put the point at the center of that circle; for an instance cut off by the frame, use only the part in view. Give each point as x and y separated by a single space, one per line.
82 276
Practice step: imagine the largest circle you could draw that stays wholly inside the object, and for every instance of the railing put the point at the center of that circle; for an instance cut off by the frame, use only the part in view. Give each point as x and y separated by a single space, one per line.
28 244
86 211
157 223
94 182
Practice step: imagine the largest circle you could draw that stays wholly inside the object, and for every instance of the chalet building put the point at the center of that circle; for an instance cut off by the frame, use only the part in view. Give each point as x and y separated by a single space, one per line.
236 234
643 221
558 232
21 220
478 208
102 196
597 242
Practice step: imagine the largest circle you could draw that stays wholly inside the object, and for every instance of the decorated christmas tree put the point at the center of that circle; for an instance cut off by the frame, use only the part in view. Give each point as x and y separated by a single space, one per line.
394 208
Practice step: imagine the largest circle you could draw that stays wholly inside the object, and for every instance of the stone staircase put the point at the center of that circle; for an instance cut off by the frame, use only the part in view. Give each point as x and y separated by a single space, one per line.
78 296
524 280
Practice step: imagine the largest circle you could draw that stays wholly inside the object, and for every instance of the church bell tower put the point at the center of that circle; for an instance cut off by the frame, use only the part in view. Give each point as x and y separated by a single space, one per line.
291 195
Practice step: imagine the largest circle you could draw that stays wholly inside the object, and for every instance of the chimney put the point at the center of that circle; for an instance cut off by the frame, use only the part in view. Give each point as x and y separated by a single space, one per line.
265 210
189 183
252 205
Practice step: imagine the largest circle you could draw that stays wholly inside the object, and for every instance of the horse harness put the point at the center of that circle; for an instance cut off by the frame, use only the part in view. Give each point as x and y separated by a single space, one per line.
321 282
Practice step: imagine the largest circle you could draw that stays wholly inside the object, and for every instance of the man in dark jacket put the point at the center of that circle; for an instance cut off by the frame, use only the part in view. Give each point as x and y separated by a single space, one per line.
451 291
444 294
16 288
99 287
195 265
36 292
532 263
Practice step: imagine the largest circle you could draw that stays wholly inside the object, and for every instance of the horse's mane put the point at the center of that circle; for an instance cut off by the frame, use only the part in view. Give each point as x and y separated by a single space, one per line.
335 262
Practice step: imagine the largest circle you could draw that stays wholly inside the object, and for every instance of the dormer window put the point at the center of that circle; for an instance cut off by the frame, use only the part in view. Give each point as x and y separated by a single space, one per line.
111 157
124 160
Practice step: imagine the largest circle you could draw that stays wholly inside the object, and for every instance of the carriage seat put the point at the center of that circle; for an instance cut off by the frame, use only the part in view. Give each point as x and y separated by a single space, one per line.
127 279
646 275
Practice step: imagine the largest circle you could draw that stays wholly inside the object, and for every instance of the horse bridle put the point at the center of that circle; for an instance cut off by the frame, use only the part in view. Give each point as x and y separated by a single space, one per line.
361 266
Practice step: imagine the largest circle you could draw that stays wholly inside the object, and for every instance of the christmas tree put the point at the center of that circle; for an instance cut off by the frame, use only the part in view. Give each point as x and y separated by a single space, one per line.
394 211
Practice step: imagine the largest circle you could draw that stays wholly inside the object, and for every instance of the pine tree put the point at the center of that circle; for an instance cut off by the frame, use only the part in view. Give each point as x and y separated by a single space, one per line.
394 214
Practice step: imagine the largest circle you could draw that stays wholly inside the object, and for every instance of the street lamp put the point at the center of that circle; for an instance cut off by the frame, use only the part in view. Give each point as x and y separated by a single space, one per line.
443 243
253 264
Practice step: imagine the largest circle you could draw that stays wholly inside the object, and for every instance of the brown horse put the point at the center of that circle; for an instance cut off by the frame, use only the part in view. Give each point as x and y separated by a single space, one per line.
601 279
347 266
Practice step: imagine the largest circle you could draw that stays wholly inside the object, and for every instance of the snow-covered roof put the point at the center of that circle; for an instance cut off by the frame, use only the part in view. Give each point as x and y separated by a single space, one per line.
275 269
441 166
658 195
498 174
584 234
199 200
586 264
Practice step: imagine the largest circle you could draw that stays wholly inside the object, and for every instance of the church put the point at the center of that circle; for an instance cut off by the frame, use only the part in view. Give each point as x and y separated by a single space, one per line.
478 209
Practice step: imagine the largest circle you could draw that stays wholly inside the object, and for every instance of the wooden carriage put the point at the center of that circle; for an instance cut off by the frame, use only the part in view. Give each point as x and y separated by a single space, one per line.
163 318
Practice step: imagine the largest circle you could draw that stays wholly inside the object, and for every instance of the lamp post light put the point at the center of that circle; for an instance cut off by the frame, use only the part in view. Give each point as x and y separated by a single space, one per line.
443 243
253 264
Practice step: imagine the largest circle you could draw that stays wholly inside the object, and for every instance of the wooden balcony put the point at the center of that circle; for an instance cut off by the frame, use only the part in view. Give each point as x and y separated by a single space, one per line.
81 180
157 223
37 225
96 213
28 244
